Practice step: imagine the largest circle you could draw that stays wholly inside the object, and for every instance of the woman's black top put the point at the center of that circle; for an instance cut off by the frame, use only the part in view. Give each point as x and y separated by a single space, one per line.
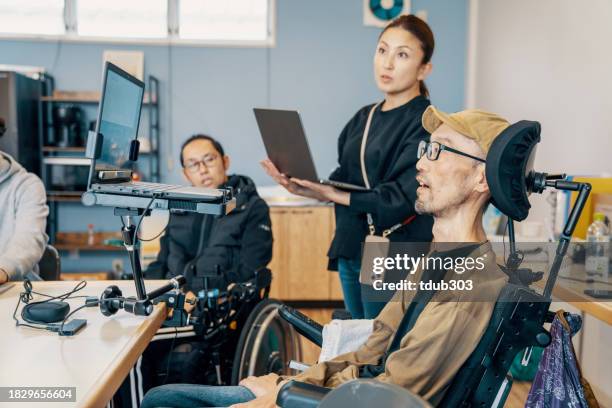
390 159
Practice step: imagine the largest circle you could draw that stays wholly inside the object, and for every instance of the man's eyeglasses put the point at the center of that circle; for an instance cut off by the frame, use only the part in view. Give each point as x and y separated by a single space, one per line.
207 161
432 151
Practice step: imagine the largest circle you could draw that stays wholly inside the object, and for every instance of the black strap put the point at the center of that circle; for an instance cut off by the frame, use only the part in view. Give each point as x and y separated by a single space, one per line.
421 299
410 318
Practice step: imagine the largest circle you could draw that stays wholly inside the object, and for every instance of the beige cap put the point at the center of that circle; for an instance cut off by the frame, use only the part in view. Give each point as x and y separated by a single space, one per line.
481 126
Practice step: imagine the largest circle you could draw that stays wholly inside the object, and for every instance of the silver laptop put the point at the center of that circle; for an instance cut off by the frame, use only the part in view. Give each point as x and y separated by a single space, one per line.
117 126
287 147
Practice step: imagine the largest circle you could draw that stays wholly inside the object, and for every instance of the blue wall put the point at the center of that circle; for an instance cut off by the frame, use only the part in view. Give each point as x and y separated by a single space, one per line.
321 65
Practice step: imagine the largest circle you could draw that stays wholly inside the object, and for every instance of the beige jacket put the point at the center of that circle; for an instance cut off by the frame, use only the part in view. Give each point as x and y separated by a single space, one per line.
445 334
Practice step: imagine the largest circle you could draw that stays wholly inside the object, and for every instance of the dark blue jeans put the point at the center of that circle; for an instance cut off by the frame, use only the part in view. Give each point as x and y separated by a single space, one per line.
355 296
192 395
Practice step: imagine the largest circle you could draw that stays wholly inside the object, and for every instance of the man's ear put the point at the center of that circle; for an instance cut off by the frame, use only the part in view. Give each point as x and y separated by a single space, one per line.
226 162
424 71
481 180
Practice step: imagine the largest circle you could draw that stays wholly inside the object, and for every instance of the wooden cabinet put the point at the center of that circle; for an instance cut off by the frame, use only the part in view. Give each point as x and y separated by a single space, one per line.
299 263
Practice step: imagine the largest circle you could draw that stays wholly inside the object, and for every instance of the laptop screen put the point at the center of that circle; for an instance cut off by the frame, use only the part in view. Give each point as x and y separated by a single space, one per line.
118 118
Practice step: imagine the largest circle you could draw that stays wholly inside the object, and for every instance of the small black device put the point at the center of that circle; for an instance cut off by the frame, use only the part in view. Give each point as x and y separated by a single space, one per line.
303 324
46 312
599 293
285 141
50 314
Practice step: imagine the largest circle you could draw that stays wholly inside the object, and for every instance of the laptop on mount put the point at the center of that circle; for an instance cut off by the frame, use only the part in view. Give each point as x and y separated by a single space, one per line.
113 147
287 147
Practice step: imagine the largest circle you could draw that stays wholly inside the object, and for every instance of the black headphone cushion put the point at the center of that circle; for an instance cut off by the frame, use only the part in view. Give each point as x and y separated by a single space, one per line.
47 312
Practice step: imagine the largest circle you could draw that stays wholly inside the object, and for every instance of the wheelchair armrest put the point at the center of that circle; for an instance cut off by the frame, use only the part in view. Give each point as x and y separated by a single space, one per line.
304 325
296 394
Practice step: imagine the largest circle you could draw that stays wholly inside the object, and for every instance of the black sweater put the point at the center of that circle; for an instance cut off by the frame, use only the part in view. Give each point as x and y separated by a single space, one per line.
390 158
235 245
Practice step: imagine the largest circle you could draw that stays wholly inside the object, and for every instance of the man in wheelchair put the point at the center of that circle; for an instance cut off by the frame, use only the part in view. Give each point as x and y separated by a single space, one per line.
419 341
222 249
215 255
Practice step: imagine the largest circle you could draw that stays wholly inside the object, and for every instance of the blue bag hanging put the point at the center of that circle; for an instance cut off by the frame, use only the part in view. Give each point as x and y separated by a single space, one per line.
559 382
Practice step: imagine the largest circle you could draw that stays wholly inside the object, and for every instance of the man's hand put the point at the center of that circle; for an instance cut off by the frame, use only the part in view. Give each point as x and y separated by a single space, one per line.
289 184
262 385
190 301
3 276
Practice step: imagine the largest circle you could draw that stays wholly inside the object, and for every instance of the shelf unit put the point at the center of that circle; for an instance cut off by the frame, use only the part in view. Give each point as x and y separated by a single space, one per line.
79 241
74 155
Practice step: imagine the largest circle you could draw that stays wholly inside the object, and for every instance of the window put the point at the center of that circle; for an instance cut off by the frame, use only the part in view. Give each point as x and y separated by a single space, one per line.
236 22
122 18
34 17
245 20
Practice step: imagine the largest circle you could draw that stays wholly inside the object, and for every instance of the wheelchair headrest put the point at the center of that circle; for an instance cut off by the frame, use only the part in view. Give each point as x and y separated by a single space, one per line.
509 162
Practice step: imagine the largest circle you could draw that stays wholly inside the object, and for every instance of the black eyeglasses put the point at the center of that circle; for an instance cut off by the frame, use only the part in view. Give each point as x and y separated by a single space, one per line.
432 151
207 161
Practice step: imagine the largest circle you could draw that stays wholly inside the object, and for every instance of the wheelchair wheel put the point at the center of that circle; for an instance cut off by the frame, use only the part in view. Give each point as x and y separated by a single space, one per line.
266 345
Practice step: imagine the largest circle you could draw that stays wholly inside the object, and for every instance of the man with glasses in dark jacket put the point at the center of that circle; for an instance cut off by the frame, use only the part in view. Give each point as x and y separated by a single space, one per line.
232 247
222 250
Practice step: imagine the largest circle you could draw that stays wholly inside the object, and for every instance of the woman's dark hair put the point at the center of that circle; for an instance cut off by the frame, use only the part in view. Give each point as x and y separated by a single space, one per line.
200 136
421 30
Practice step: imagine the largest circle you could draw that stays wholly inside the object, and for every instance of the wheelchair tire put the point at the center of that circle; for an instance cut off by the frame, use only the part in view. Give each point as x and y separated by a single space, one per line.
267 343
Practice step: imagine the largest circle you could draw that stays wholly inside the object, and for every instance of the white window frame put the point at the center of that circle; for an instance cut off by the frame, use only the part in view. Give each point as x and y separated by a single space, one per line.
71 35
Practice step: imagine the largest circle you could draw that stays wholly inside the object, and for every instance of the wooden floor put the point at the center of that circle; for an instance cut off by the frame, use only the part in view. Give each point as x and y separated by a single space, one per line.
516 399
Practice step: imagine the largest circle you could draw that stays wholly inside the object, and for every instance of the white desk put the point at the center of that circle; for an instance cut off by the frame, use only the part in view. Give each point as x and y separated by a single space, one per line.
95 360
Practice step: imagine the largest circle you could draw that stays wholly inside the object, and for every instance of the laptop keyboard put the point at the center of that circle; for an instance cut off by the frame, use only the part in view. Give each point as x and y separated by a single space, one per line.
142 185
136 187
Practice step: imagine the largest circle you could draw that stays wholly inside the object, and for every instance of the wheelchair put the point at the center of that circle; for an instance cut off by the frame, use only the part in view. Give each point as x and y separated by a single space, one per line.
230 335
519 314
483 380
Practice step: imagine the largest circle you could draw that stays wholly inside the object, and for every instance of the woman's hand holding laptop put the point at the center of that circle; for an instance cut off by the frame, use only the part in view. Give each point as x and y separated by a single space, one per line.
306 188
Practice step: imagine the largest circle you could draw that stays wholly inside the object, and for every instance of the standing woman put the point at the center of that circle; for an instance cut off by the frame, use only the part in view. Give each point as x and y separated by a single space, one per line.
401 63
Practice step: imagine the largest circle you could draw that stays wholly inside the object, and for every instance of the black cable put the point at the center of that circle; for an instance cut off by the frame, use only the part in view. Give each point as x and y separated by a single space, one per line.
26 296
144 214
49 296
157 236
140 221
61 328
17 323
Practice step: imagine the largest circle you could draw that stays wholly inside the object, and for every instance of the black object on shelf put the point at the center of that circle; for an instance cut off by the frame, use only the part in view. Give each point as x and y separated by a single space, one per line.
20 114
69 126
